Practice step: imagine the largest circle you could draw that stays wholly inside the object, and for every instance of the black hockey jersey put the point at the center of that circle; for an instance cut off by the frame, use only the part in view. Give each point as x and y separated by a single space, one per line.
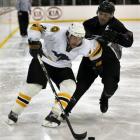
124 39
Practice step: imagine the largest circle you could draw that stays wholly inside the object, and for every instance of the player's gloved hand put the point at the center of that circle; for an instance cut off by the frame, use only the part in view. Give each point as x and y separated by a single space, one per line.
103 42
35 48
110 35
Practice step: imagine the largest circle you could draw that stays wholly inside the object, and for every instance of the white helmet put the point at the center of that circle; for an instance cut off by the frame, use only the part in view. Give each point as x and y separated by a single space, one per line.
77 29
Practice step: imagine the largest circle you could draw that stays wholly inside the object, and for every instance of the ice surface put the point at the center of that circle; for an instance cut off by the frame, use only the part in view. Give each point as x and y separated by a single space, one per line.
121 122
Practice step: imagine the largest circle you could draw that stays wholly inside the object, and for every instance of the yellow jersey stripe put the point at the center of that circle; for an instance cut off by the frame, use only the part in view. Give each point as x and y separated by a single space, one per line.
94 52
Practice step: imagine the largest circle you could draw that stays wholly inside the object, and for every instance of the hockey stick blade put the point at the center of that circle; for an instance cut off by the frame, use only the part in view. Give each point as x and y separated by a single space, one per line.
80 136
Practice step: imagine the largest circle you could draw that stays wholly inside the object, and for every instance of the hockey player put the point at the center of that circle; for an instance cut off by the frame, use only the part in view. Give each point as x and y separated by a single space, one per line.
107 29
61 45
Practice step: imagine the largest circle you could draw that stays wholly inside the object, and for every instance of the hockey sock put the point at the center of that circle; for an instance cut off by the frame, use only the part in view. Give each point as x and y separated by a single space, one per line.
64 98
24 98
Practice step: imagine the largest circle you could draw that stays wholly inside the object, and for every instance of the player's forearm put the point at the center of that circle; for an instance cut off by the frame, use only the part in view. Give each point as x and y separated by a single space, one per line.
125 40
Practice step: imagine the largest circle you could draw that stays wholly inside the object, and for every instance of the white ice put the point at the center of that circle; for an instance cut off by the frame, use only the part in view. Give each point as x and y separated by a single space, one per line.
121 122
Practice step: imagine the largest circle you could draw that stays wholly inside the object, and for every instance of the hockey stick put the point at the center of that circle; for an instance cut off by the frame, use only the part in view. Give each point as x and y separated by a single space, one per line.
75 135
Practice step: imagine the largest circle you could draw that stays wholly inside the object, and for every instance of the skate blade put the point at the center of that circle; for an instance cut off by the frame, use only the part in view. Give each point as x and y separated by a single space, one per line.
10 122
49 124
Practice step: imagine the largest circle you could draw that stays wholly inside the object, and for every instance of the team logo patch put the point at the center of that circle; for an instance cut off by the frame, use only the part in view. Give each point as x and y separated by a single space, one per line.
55 29
60 56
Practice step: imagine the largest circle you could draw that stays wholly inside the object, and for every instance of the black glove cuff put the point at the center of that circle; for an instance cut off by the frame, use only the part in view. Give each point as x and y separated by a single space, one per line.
34 44
35 52
35 48
102 41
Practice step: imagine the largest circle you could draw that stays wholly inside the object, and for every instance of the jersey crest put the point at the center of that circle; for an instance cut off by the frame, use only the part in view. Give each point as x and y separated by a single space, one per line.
60 56
55 29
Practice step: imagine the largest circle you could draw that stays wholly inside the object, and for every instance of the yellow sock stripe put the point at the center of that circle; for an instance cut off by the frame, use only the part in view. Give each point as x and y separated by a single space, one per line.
64 103
64 95
22 95
20 103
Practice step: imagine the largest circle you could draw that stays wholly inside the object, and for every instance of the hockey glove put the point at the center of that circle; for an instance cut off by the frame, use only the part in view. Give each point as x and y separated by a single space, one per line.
102 41
110 35
35 48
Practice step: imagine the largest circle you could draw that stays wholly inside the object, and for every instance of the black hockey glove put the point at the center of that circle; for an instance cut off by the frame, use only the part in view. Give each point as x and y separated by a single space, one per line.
35 48
110 35
102 41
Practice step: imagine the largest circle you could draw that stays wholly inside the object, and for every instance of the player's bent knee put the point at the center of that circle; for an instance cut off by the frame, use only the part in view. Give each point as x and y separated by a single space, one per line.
32 89
68 86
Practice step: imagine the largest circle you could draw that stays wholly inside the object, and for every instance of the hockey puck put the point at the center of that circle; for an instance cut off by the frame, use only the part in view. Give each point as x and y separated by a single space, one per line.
91 138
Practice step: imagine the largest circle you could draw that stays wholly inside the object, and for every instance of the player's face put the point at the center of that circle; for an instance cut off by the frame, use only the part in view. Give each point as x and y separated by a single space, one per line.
74 41
104 17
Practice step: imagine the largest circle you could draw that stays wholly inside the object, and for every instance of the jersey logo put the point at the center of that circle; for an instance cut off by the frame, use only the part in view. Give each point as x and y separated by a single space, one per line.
55 29
60 56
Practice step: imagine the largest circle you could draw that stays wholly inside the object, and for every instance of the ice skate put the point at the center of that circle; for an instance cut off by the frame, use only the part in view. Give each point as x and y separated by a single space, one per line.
52 120
104 105
12 118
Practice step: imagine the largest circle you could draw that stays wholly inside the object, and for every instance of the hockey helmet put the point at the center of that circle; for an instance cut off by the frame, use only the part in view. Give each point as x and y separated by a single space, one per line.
77 30
107 7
